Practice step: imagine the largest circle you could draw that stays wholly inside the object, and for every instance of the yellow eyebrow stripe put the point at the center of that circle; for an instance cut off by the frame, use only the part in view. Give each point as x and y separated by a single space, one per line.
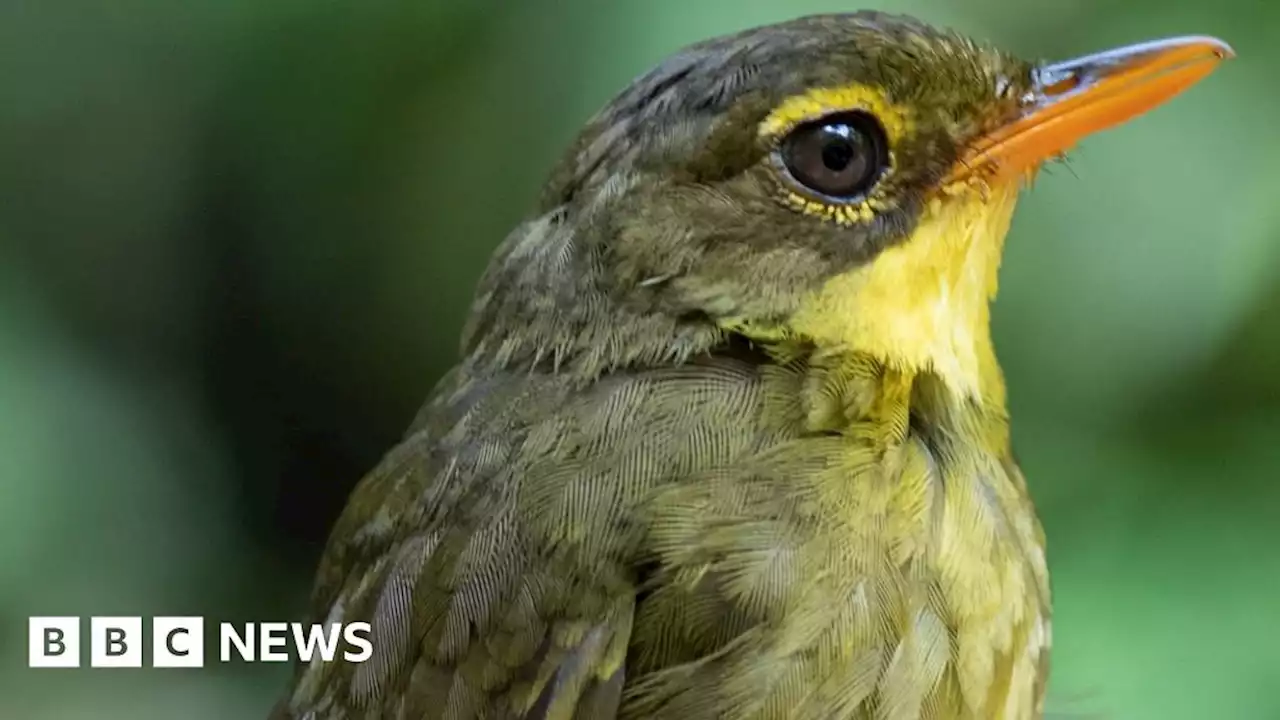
817 102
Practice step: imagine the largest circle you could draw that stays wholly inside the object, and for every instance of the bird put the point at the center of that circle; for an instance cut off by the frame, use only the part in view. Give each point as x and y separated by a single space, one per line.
727 436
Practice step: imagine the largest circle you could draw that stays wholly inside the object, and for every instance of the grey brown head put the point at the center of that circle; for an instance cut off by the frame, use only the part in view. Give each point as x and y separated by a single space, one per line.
727 188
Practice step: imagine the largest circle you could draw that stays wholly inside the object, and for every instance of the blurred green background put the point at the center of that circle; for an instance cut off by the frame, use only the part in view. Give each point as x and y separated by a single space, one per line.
238 239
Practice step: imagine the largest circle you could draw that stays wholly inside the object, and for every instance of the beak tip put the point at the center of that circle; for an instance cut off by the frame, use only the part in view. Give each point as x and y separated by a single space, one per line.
1219 47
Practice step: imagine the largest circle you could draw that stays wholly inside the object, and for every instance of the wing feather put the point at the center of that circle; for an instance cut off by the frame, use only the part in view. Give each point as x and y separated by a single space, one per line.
497 551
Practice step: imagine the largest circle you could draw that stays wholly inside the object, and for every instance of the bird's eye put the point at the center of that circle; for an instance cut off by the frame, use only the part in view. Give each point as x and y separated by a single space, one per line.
839 156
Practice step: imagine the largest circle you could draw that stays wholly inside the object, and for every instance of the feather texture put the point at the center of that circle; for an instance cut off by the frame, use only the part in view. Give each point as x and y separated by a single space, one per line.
701 459
688 543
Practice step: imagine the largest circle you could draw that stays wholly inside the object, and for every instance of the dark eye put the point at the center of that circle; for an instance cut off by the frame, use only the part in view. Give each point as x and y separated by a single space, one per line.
840 156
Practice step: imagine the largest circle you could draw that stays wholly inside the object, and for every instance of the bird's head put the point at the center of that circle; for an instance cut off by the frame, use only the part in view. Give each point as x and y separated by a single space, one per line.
844 182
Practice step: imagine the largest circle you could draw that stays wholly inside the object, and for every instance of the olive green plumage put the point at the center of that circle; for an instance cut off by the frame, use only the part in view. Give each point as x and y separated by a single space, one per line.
625 503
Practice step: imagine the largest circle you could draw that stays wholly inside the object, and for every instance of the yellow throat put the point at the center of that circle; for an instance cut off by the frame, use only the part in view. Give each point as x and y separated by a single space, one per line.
924 304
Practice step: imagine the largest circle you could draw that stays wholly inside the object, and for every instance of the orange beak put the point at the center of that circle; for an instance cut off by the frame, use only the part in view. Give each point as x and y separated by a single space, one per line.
1079 97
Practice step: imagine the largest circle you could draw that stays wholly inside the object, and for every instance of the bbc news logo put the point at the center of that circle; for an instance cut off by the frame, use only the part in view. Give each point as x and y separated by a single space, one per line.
178 642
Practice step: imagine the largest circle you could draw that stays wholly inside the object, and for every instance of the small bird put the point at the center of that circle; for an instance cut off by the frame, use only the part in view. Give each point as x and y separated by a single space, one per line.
727 437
